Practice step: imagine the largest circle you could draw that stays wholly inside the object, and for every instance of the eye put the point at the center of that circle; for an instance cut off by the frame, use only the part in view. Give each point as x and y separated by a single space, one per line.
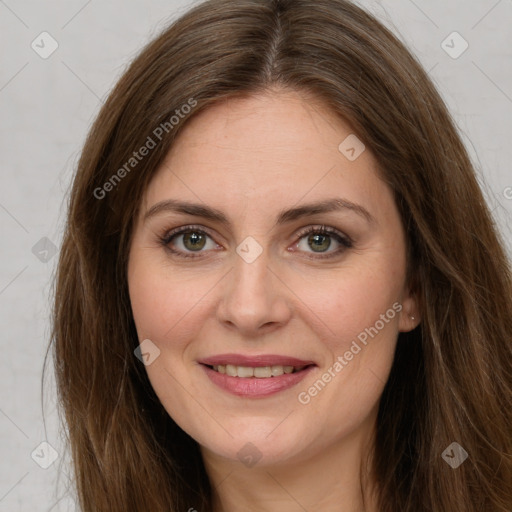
188 240
315 240
320 239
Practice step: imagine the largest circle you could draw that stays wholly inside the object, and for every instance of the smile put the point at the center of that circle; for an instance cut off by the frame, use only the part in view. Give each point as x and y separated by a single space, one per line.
259 372
255 381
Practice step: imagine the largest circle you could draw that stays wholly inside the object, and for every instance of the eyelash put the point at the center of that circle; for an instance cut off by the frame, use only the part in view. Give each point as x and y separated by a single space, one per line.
342 239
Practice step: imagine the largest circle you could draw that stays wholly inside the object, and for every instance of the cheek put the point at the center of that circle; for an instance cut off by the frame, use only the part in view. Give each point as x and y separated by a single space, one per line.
166 310
163 302
345 302
360 311
356 316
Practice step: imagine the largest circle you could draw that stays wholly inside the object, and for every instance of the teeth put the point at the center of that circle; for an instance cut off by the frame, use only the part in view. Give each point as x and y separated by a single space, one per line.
277 370
231 370
244 371
263 372
260 372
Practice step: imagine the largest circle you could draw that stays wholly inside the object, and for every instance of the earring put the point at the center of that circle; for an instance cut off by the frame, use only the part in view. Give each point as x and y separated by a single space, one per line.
412 318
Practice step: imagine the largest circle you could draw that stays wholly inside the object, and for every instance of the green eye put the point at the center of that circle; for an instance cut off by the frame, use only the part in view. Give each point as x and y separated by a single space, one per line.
194 241
319 242
320 239
184 242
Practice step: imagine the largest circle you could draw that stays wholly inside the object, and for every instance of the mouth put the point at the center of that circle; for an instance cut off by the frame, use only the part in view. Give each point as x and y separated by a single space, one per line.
257 372
256 376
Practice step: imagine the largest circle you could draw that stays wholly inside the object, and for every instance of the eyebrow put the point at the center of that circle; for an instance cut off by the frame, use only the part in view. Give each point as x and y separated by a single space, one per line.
284 216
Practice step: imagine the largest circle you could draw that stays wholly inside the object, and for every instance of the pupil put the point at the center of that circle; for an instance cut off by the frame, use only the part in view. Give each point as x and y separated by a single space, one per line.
319 242
193 241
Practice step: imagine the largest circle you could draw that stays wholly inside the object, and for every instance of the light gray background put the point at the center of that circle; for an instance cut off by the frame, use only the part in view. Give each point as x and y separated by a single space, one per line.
46 108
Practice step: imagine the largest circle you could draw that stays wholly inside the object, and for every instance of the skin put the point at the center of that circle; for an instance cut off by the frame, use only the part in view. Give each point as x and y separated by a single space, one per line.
251 158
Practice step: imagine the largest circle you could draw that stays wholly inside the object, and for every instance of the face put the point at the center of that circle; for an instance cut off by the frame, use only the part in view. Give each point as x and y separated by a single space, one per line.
266 245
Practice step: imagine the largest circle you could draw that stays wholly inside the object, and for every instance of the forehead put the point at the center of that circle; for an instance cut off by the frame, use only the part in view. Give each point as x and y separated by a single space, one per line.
273 148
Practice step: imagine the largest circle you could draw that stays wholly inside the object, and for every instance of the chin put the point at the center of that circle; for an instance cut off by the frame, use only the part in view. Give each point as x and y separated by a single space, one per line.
258 442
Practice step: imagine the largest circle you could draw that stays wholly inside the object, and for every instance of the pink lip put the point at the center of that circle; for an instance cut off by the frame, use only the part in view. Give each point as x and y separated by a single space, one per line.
253 387
253 361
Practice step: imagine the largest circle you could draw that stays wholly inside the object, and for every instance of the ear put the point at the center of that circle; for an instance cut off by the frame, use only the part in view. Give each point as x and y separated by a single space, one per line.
410 316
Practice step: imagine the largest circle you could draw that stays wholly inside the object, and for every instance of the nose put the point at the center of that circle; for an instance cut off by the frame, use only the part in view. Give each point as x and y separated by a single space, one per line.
255 300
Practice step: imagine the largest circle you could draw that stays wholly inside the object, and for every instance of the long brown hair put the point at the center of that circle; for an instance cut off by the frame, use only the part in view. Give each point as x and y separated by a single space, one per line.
452 376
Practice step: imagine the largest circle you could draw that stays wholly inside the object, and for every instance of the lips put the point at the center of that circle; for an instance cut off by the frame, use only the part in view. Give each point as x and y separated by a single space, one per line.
255 361
255 376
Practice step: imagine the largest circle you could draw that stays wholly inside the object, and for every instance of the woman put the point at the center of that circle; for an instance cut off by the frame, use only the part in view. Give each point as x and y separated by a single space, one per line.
280 286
